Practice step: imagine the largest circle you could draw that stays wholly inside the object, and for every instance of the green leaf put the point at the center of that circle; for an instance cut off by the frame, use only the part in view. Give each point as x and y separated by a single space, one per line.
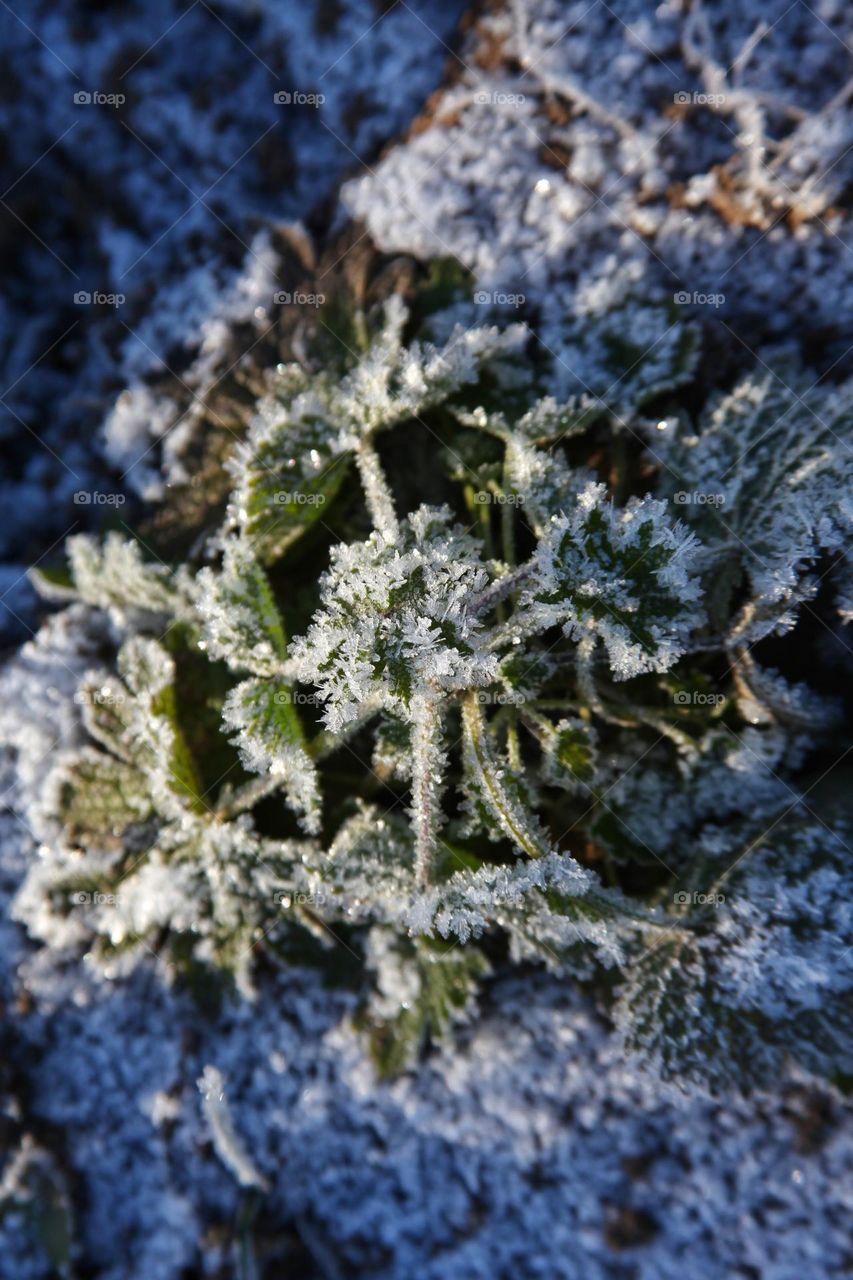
99 796
439 988
242 622
271 740
288 474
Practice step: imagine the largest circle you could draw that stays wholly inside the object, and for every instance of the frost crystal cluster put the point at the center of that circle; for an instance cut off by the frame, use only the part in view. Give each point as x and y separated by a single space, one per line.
465 676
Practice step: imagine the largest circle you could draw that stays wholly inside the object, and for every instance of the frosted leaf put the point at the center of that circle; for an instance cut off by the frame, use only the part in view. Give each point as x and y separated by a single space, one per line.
623 357
96 797
621 576
287 472
470 901
272 742
421 991
113 575
242 623
229 1147
368 871
393 382
766 483
394 620
770 977
149 672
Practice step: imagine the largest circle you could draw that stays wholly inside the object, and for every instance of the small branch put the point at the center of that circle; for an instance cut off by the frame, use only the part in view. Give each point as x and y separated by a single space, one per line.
380 504
428 765
501 588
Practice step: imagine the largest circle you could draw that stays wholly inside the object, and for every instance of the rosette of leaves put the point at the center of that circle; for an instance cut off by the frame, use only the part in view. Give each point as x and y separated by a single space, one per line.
432 771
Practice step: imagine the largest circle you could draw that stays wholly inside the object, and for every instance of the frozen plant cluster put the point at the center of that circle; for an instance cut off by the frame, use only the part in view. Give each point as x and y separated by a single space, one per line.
495 678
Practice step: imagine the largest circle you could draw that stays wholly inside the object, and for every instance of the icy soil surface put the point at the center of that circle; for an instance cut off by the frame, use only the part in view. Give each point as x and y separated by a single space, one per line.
146 160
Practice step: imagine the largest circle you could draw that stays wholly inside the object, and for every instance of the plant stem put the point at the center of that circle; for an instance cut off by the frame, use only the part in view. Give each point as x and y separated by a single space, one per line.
380 504
428 763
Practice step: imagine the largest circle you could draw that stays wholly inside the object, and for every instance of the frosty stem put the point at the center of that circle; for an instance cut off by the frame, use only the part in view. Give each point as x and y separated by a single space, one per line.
380 504
428 765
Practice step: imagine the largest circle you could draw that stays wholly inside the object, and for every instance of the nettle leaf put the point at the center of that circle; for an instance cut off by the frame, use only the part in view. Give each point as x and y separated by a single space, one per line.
629 354
392 750
394 381
242 623
470 901
287 472
569 749
149 673
422 990
302 441
367 875
770 977
96 796
271 741
622 576
113 575
394 620
766 483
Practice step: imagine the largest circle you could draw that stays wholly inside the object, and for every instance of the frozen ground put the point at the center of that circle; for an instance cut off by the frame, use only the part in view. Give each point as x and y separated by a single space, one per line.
146 164
558 164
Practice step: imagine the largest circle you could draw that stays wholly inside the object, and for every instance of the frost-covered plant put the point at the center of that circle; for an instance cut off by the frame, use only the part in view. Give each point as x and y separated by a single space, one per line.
519 720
